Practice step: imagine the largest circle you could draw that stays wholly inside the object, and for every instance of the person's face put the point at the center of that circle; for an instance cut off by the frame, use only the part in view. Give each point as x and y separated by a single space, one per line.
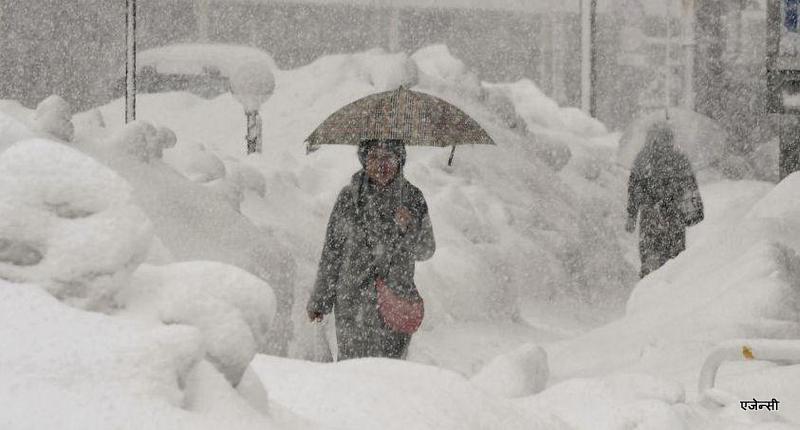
382 165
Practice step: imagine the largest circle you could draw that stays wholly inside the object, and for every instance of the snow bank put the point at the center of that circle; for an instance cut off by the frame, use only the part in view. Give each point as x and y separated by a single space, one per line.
12 129
95 371
613 403
541 112
439 69
232 309
68 223
520 373
53 116
736 280
389 394
193 221
513 236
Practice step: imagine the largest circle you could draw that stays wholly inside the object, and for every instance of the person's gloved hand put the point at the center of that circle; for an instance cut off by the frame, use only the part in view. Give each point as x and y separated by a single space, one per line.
403 217
314 316
630 225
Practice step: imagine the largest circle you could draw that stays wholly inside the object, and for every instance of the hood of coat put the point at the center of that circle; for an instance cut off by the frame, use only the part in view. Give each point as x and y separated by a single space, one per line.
396 146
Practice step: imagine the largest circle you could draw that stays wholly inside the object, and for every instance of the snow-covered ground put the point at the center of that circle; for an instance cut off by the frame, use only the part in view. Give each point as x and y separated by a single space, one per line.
127 301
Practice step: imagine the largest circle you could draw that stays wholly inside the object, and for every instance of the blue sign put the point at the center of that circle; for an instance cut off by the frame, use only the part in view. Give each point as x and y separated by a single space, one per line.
790 15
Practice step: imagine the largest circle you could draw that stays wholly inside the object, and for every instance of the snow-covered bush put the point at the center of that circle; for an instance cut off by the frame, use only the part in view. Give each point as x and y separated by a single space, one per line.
252 84
67 223
143 140
53 116
232 309
522 372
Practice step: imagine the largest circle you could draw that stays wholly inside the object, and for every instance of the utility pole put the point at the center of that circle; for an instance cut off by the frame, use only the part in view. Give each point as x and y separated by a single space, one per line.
588 55
689 45
130 63
394 28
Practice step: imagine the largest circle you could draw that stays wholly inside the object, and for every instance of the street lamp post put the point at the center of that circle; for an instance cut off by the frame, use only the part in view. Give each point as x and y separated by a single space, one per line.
130 62
588 55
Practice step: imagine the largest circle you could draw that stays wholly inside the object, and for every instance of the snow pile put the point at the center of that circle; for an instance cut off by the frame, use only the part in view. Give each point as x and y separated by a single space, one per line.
541 112
67 223
54 117
143 140
737 279
439 69
193 221
97 371
520 373
513 236
174 339
613 403
12 127
232 309
390 394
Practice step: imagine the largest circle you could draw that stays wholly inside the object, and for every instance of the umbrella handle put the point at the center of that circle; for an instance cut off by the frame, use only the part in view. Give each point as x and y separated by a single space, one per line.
452 153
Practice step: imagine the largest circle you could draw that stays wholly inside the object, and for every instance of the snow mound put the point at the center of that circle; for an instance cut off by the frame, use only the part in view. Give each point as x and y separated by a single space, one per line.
194 222
439 69
541 112
68 223
97 371
12 129
389 394
53 116
616 402
738 280
516 374
232 308
195 162
143 140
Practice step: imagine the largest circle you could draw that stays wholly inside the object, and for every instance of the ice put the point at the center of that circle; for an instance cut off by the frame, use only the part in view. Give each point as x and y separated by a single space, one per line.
68 223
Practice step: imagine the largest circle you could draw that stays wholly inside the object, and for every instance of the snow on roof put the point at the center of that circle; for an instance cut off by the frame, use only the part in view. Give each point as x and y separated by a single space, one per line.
193 58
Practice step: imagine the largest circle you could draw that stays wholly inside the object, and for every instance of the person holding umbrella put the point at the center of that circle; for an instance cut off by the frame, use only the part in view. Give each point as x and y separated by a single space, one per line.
380 226
378 229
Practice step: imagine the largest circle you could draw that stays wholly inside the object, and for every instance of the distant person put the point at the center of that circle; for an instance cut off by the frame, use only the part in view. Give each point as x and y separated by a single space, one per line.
378 229
662 191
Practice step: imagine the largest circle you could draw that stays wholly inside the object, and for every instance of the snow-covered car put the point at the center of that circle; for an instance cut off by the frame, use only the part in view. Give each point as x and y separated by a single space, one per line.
201 69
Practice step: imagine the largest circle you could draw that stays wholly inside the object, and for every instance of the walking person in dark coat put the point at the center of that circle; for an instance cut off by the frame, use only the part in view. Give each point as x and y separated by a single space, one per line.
379 228
662 191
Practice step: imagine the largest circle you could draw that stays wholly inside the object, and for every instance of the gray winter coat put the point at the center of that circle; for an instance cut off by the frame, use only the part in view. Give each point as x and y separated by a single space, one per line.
659 182
363 242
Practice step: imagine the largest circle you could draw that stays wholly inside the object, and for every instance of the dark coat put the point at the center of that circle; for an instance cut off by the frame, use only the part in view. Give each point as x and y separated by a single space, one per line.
363 242
659 183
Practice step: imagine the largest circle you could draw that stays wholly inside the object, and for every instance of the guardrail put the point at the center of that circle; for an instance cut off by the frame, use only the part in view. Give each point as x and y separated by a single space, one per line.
780 351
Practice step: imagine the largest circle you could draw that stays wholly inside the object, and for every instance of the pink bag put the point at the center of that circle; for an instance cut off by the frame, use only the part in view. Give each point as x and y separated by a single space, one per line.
399 314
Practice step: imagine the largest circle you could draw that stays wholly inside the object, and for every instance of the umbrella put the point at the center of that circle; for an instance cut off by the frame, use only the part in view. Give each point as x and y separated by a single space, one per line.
416 118
701 138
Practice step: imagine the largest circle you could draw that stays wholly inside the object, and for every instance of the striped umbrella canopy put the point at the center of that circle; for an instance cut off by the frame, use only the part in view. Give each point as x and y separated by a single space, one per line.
416 118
